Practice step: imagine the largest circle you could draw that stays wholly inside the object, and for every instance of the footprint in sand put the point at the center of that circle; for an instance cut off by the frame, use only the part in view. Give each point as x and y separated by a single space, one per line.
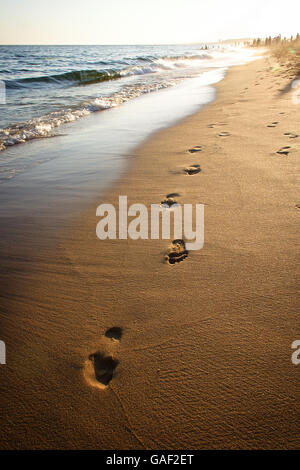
100 369
291 135
274 124
114 333
224 134
177 252
192 170
284 151
297 206
170 200
214 124
197 148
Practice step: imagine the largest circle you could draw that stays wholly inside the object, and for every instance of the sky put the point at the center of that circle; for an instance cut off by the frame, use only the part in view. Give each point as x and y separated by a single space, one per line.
144 21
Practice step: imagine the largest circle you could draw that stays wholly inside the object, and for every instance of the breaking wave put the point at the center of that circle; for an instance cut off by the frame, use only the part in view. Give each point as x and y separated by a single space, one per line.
31 92
46 126
80 77
87 77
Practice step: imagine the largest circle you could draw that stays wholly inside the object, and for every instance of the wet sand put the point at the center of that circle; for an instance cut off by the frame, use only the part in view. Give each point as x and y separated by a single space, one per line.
200 356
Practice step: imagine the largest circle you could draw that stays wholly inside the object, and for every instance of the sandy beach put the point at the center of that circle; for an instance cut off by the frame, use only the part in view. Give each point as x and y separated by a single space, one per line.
200 351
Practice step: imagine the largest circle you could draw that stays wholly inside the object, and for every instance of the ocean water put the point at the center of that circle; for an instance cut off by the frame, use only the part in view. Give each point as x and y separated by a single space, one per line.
48 86
74 114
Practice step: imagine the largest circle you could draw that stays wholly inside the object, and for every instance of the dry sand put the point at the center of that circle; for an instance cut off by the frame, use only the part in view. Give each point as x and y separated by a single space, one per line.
202 356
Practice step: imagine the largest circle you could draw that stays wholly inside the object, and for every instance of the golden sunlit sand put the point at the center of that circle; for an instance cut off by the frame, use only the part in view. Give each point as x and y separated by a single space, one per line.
115 348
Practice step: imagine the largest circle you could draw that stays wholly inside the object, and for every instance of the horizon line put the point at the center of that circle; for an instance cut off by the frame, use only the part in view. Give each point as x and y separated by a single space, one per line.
131 44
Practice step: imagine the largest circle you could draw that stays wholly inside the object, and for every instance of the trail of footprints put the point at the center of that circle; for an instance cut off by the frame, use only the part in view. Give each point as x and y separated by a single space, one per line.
285 150
219 124
177 251
291 135
100 367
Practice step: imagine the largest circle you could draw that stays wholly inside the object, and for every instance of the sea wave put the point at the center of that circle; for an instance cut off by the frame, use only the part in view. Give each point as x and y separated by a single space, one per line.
78 77
205 55
87 77
40 112
46 126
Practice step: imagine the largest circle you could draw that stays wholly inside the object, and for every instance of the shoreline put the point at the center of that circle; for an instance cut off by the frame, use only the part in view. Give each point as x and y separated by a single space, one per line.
205 345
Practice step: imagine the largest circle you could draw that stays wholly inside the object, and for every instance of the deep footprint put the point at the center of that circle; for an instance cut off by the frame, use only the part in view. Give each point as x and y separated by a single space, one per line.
284 151
192 170
169 202
114 333
177 252
197 148
104 367
274 124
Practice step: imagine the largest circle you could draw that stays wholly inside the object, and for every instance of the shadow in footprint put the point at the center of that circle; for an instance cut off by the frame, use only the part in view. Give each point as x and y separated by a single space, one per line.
197 148
212 125
274 124
192 170
114 333
177 252
169 202
224 134
104 367
284 151
291 135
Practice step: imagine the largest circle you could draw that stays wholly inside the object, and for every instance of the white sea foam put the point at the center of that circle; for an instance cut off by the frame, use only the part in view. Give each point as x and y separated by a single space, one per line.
163 73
